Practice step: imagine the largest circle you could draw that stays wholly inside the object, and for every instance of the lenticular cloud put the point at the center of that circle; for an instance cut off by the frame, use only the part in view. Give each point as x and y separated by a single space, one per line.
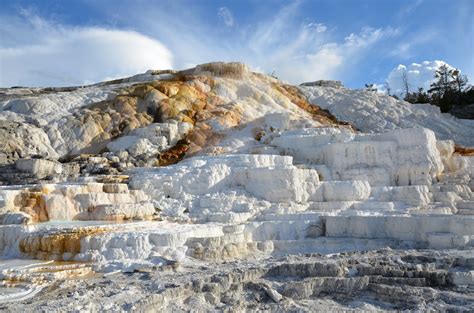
78 56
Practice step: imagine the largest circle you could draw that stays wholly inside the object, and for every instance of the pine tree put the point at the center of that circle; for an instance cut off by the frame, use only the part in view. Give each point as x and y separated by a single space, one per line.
443 90
444 83
422 96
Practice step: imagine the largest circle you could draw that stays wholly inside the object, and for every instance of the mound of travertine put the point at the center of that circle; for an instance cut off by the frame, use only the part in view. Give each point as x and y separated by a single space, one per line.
218 163
109 127
374 112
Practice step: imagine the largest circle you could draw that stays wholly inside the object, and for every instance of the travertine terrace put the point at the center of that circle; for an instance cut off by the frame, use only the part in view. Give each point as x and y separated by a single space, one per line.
220 188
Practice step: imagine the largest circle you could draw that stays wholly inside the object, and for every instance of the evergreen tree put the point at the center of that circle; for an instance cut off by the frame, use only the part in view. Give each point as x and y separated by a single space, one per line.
422 96
443 90
444 82
449 89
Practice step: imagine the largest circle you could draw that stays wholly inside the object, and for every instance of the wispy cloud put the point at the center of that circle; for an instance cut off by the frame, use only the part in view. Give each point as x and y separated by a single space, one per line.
409 8
408 44
226 15
330 59
281 43
319 27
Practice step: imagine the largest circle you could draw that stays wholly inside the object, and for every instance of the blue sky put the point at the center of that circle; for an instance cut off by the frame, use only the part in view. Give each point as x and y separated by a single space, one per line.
71 42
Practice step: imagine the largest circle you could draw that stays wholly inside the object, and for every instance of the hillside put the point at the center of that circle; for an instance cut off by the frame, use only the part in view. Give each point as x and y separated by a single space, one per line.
373 112
217 187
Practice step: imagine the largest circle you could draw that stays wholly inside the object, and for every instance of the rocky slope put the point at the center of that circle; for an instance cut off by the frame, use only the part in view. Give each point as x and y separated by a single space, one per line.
373 112
198 168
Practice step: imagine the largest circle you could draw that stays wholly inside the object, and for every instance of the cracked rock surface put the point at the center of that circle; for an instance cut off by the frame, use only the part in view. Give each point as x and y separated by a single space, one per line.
386 279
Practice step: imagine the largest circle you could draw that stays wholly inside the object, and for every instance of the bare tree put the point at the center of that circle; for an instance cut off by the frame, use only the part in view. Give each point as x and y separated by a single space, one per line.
406 86
460 80
387 87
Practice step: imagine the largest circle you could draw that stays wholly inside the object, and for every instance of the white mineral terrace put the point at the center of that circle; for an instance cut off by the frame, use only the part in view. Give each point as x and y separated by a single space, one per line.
348 192
258 175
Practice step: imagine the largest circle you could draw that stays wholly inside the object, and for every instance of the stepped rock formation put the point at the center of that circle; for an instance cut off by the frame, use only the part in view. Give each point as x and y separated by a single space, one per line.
196 189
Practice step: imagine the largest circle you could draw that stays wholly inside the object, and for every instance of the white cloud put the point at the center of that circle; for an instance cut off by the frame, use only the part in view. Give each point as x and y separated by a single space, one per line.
56 55
329 60
410 44
318 27
226 15
302 53
409 8
278 43
418 75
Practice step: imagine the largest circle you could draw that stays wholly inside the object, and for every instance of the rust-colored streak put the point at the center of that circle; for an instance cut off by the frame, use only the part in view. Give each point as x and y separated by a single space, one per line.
174 154
183 97
321 115
31 201
465 151
53 246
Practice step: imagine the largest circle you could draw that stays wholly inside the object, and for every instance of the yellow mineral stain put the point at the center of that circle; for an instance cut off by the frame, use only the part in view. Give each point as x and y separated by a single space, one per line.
53 246
31 202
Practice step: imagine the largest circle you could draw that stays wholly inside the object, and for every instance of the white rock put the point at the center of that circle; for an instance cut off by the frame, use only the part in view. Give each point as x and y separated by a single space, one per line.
411 228
412 195
170 207
39 167
154 133
462 278
59 208
346 190
282 184
382 159
16 218
122 143
373 112
123 211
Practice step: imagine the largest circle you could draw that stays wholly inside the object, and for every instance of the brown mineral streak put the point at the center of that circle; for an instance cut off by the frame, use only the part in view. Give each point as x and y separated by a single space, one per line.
44 246
32 203
320 115
181 97
465 151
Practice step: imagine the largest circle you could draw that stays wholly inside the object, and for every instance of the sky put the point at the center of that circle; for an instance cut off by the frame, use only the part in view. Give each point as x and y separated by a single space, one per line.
63 43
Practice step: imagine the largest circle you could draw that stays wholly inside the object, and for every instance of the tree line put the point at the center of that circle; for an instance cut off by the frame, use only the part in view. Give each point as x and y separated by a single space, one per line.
449 89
